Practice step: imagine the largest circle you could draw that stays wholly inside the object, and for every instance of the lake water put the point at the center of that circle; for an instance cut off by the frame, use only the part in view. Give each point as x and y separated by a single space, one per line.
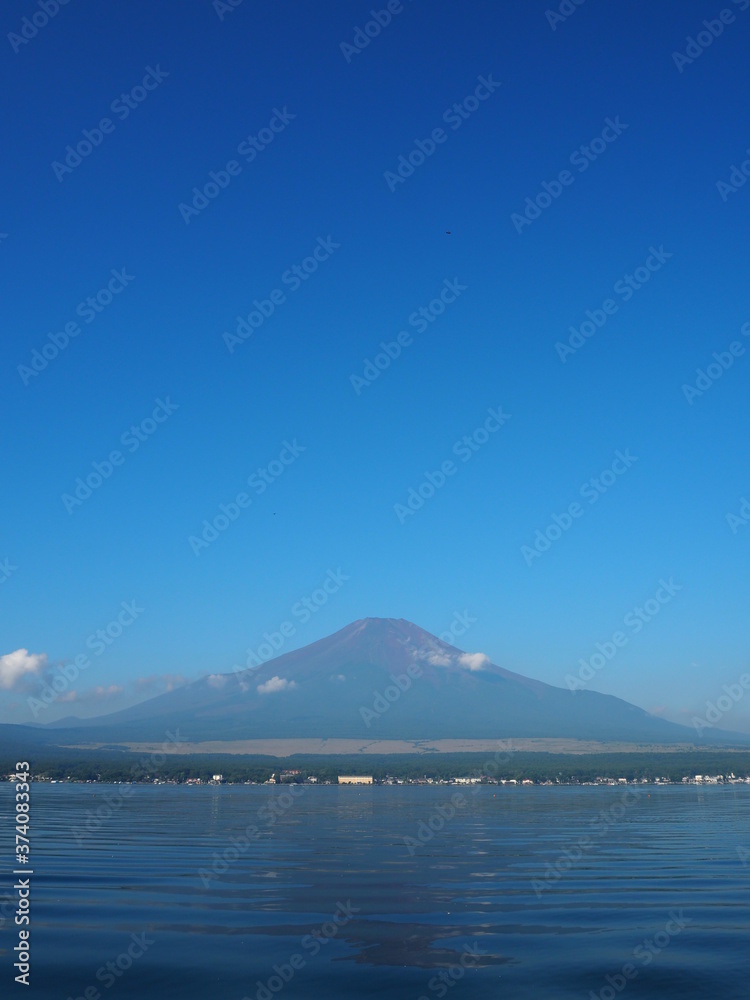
521 893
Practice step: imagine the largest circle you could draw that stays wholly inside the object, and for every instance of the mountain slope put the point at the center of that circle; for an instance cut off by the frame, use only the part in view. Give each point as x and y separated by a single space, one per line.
380 678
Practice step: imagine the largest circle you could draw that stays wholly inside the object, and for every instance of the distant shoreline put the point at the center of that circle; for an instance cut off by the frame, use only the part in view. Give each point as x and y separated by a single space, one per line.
709 782
291 747
282 760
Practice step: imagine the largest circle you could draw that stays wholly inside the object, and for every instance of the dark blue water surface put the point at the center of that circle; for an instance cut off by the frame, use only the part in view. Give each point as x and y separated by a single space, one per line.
520 893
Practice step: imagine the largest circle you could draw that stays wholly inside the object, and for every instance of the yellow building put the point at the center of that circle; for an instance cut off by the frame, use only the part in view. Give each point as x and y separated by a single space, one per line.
355 779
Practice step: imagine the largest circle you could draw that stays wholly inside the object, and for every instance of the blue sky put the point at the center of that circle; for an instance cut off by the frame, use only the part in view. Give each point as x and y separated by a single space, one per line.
332 126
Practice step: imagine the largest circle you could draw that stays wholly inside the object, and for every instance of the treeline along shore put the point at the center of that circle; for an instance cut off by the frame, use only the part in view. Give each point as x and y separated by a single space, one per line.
539 768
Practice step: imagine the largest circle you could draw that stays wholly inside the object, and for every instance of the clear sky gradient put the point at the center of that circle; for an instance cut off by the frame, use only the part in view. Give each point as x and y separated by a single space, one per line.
198 83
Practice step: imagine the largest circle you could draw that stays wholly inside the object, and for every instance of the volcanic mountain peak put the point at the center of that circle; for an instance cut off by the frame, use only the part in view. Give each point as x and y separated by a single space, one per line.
391 630
371 650
383 627
380 678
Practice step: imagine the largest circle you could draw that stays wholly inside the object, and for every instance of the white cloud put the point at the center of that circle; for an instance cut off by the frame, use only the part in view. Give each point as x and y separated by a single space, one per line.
338 677
101 692
276 684
160 682
107 692
439 659
17 667
217 680
473 661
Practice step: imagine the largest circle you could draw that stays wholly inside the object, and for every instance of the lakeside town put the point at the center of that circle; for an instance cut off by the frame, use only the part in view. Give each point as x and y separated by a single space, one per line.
297 777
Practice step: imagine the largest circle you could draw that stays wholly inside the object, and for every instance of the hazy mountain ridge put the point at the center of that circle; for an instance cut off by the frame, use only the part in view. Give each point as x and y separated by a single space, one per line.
379 678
